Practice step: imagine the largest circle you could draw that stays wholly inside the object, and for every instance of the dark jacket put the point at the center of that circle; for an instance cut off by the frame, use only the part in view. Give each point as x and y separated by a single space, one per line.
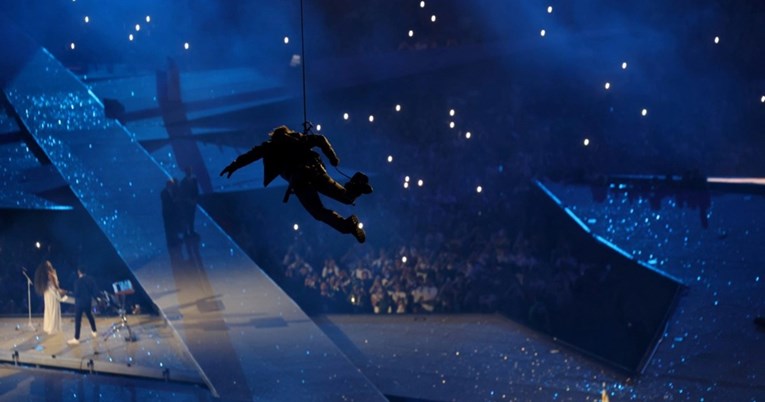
285 154
84 291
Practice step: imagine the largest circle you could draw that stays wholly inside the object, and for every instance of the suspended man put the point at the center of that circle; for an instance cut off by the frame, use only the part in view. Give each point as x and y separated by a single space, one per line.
290 154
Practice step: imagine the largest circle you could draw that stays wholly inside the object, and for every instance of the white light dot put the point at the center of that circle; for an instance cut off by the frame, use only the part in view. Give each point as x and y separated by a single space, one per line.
624 65
468 135
371 118
390 158
717 39
420 183
586 142
318 127
87 19
542 33
433 18
644 112
762 99
295 227
608 85
451 112
137 27
130 37
451 124
411 33
345 116
549 9
37 244
403 259
286 40
422 4
478 189
406 185
148 18
398 108
406 179
186 45
360 225
71 46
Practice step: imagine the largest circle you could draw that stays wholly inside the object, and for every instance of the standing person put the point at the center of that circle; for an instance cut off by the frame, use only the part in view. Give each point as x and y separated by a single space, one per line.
46 285
289 154
84 293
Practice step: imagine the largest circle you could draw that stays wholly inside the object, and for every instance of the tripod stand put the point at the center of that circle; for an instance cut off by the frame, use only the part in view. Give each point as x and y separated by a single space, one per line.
121 290
29 298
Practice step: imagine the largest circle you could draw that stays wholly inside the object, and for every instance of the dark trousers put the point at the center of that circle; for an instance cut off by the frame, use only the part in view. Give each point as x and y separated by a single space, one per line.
308 184
78 310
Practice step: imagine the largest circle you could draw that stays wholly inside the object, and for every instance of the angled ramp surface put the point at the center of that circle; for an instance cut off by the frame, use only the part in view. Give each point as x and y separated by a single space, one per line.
248 338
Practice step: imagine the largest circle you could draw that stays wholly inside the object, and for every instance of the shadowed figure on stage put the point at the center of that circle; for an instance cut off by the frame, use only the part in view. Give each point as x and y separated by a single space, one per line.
289 154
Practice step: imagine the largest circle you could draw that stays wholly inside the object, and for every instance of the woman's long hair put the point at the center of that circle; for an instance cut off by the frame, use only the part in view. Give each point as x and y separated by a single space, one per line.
42 277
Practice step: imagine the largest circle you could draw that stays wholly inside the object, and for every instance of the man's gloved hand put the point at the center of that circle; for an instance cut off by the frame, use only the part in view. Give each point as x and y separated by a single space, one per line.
230 169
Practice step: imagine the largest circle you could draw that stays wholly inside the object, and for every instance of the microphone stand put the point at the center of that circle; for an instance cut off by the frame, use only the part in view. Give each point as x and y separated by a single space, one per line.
29 298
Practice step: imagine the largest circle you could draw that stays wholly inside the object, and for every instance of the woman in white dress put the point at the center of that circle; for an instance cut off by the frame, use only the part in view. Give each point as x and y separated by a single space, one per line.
46 285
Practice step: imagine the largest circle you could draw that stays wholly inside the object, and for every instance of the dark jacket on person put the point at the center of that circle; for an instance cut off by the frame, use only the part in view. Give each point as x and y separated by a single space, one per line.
284 154
84 291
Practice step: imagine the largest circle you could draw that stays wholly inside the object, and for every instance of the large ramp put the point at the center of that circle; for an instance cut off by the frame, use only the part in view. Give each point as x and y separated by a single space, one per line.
248 338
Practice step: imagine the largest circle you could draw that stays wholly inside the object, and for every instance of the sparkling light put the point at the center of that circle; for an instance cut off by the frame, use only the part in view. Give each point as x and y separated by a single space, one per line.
130 37
411 33
406 185
360 225
371 118
762 99
403 259
318 127
286 40
295 227
186 45
87 19
478 189
137 27
406 179
468 135
398 108
451 124
420 183
71 46
542 33
433 18
37 244
345 116
644 112
451 112
717 39
422 4
586 142
608 86
549 9
390 158
624 65
148 18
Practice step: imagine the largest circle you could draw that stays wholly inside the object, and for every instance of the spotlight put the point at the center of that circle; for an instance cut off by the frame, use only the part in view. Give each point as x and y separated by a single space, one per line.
644 112
608 86
542 33
345 116
624 65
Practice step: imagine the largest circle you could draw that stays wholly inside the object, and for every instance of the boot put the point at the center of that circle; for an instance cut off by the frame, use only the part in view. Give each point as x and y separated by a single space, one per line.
359 184
354 229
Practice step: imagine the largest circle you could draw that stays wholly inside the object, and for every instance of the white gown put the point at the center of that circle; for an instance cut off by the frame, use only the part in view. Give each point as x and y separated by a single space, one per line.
52 313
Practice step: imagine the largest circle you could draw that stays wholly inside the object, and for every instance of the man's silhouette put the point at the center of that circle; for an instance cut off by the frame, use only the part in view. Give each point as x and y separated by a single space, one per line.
289 154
